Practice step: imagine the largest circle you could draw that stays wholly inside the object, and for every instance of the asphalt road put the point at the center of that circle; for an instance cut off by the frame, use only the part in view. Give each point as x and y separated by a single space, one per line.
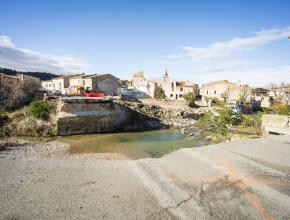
246 179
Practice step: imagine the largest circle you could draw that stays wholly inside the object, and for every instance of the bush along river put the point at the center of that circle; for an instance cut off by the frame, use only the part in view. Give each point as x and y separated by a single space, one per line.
133 145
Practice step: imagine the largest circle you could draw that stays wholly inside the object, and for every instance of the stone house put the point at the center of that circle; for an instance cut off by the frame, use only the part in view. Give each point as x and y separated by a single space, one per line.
175 90
29 80
9 83
18 89
261 98
142 88
106 83
97 82
226 91
281 93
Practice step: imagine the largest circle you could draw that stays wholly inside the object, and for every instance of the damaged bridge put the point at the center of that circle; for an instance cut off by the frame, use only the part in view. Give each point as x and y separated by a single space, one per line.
83 115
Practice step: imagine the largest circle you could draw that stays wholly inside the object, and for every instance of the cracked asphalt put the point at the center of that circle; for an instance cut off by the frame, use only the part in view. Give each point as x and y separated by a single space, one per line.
245 179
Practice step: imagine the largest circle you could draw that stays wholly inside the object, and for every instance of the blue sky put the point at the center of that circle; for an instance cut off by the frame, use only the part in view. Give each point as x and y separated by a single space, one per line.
196 40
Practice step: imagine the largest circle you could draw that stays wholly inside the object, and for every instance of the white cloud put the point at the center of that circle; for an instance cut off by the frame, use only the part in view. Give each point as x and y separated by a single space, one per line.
6 42
239 71
28 60
219 67
236 45
265 76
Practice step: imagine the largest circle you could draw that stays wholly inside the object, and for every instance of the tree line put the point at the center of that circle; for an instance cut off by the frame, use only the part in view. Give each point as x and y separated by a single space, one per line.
41 75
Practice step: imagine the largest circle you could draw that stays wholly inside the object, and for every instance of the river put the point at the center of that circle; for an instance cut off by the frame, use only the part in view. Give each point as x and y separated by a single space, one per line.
133 145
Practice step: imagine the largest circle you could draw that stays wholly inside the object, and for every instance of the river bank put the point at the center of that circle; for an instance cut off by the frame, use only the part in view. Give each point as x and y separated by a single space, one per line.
83 116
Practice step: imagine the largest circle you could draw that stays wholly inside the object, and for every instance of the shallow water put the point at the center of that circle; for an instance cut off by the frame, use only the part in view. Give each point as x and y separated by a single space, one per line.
132 145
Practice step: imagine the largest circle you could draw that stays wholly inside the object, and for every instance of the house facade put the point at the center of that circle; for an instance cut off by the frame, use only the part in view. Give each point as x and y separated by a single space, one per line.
106 83
142 88
175 90
225 91
70 84
56 85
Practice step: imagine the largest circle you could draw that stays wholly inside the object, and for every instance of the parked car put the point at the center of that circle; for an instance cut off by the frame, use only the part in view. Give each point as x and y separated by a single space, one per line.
236 109
94 94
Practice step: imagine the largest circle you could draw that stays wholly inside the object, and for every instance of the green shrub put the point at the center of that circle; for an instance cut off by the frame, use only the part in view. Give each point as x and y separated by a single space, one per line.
159 93
190 98
39 109
206 119
281 109
217 102
224 118
254 120
278 108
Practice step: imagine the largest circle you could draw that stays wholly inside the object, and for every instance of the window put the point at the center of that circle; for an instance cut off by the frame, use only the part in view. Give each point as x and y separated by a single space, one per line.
181 89
180 96
171 95
207 92
214 91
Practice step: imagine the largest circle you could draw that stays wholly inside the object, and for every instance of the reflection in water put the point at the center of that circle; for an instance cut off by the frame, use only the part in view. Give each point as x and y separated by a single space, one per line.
133 145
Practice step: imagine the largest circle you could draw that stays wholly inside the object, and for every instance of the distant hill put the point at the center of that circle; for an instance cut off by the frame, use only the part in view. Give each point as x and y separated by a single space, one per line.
41 75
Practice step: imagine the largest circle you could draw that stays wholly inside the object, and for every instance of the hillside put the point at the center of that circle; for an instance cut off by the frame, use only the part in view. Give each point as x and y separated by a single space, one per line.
41 75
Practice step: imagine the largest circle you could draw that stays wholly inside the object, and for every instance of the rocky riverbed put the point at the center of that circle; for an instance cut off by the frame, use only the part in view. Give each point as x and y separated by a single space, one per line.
176 115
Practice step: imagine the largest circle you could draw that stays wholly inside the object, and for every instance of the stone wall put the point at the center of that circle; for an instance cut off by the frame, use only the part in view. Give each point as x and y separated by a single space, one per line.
79 116
276 123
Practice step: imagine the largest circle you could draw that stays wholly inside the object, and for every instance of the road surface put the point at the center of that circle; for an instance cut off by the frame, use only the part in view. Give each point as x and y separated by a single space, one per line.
246 179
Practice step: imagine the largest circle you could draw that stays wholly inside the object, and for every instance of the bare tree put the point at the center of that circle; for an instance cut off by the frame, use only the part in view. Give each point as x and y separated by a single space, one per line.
21 94
244 95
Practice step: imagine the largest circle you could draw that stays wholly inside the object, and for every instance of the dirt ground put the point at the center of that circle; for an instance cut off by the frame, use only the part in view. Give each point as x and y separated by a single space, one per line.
245 179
